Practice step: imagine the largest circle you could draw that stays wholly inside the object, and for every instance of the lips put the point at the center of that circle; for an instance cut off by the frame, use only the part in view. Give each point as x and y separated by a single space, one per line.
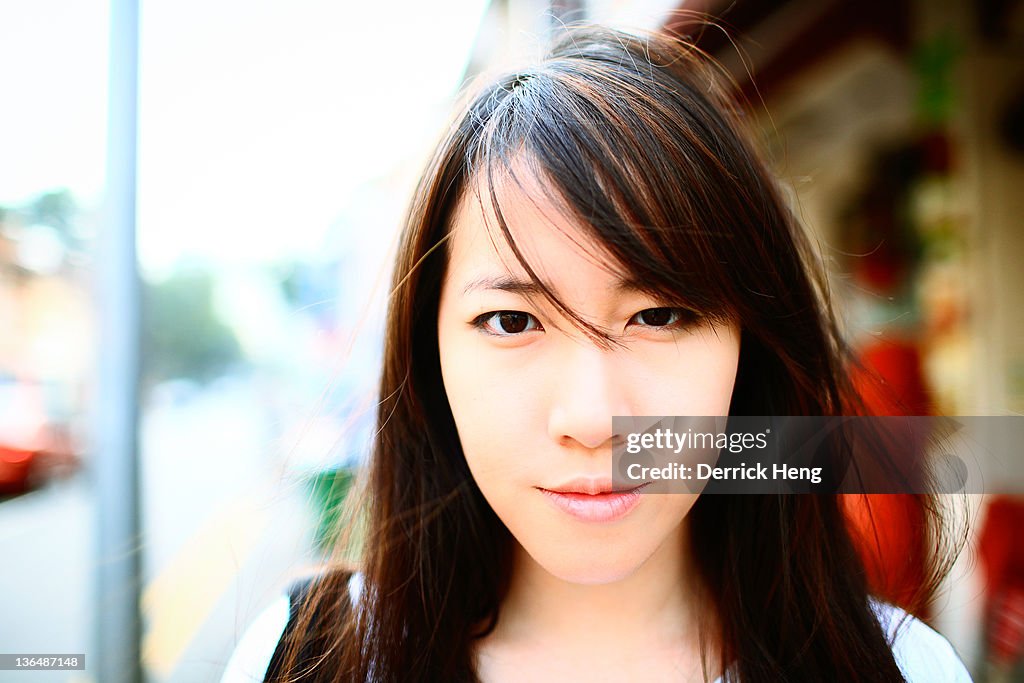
583 485
590 500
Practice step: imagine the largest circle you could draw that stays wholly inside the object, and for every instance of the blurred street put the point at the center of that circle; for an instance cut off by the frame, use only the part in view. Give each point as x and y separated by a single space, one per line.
218 524
45 538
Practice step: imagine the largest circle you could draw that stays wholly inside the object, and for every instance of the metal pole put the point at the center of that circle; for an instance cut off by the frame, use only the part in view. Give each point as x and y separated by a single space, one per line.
118 568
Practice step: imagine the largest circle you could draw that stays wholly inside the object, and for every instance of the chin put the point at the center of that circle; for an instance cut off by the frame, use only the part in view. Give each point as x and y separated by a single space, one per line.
593 576
586 568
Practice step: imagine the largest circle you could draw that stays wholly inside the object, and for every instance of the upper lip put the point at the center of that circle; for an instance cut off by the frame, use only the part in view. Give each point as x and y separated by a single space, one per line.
584 485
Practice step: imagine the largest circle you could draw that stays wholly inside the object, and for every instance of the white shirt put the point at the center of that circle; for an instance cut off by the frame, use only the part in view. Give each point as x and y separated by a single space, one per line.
923 655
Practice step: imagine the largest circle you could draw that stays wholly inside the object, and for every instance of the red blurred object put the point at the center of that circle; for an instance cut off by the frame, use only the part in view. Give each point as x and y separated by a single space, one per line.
889 529
1002 556
34 446
16 470
24 470
897 363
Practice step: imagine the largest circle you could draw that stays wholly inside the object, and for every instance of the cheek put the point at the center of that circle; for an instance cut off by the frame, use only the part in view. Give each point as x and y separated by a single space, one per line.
695 378
494 404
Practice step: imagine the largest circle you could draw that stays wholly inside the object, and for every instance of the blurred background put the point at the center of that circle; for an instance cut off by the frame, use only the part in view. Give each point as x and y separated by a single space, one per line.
235 274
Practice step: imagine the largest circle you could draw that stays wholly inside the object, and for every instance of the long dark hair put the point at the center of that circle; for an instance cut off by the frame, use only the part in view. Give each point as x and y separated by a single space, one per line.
641 140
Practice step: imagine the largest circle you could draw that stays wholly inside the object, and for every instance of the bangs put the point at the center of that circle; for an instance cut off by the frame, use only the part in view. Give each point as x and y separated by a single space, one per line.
622 157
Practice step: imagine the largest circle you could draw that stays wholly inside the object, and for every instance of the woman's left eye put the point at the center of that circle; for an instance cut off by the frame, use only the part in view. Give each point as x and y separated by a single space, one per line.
666 317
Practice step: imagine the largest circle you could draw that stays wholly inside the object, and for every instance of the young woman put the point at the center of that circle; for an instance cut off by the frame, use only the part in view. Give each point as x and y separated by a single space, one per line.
595 236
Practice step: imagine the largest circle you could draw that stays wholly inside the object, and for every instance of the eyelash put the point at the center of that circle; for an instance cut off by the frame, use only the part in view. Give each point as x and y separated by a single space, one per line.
686 318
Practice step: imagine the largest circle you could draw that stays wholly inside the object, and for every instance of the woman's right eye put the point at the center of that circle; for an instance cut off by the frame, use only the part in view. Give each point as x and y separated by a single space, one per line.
506 323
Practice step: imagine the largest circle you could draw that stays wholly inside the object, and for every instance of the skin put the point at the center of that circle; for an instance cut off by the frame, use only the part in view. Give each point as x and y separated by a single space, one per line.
532 397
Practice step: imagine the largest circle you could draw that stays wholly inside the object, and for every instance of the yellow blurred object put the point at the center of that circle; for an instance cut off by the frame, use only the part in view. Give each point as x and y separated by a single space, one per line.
180 599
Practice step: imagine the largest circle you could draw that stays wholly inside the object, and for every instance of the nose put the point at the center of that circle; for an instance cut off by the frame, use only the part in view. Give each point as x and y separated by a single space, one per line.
588 390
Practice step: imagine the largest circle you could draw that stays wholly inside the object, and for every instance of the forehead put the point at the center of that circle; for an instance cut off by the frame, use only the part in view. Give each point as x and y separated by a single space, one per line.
564 253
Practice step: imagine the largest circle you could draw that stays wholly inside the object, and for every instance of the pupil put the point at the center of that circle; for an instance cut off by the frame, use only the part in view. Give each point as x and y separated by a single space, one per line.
656 316
512 322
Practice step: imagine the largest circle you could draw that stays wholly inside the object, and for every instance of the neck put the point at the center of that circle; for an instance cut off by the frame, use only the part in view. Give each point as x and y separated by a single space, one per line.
657 603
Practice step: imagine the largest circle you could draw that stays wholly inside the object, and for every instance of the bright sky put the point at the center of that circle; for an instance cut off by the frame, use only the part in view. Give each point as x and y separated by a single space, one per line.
53 66
259 119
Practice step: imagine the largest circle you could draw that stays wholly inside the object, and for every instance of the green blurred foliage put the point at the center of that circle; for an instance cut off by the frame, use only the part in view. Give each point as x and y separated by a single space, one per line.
182 336
340 532
56 209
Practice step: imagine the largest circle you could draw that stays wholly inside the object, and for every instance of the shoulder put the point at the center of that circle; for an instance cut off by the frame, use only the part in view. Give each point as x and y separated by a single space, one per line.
921 653
252 655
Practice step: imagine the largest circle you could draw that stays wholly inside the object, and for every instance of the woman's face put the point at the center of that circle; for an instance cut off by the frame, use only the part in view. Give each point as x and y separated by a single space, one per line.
533 397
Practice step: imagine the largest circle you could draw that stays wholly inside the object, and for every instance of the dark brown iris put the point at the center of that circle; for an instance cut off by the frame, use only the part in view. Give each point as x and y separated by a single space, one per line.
656 317
513 323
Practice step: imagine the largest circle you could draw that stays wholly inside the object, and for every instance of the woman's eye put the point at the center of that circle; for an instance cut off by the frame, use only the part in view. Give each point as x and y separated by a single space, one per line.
506 323
666 317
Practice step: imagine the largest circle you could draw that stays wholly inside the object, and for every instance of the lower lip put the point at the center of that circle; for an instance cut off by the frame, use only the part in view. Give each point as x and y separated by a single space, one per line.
601 507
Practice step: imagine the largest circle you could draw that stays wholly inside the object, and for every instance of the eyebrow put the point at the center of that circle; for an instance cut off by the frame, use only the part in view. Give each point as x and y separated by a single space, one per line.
507 283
